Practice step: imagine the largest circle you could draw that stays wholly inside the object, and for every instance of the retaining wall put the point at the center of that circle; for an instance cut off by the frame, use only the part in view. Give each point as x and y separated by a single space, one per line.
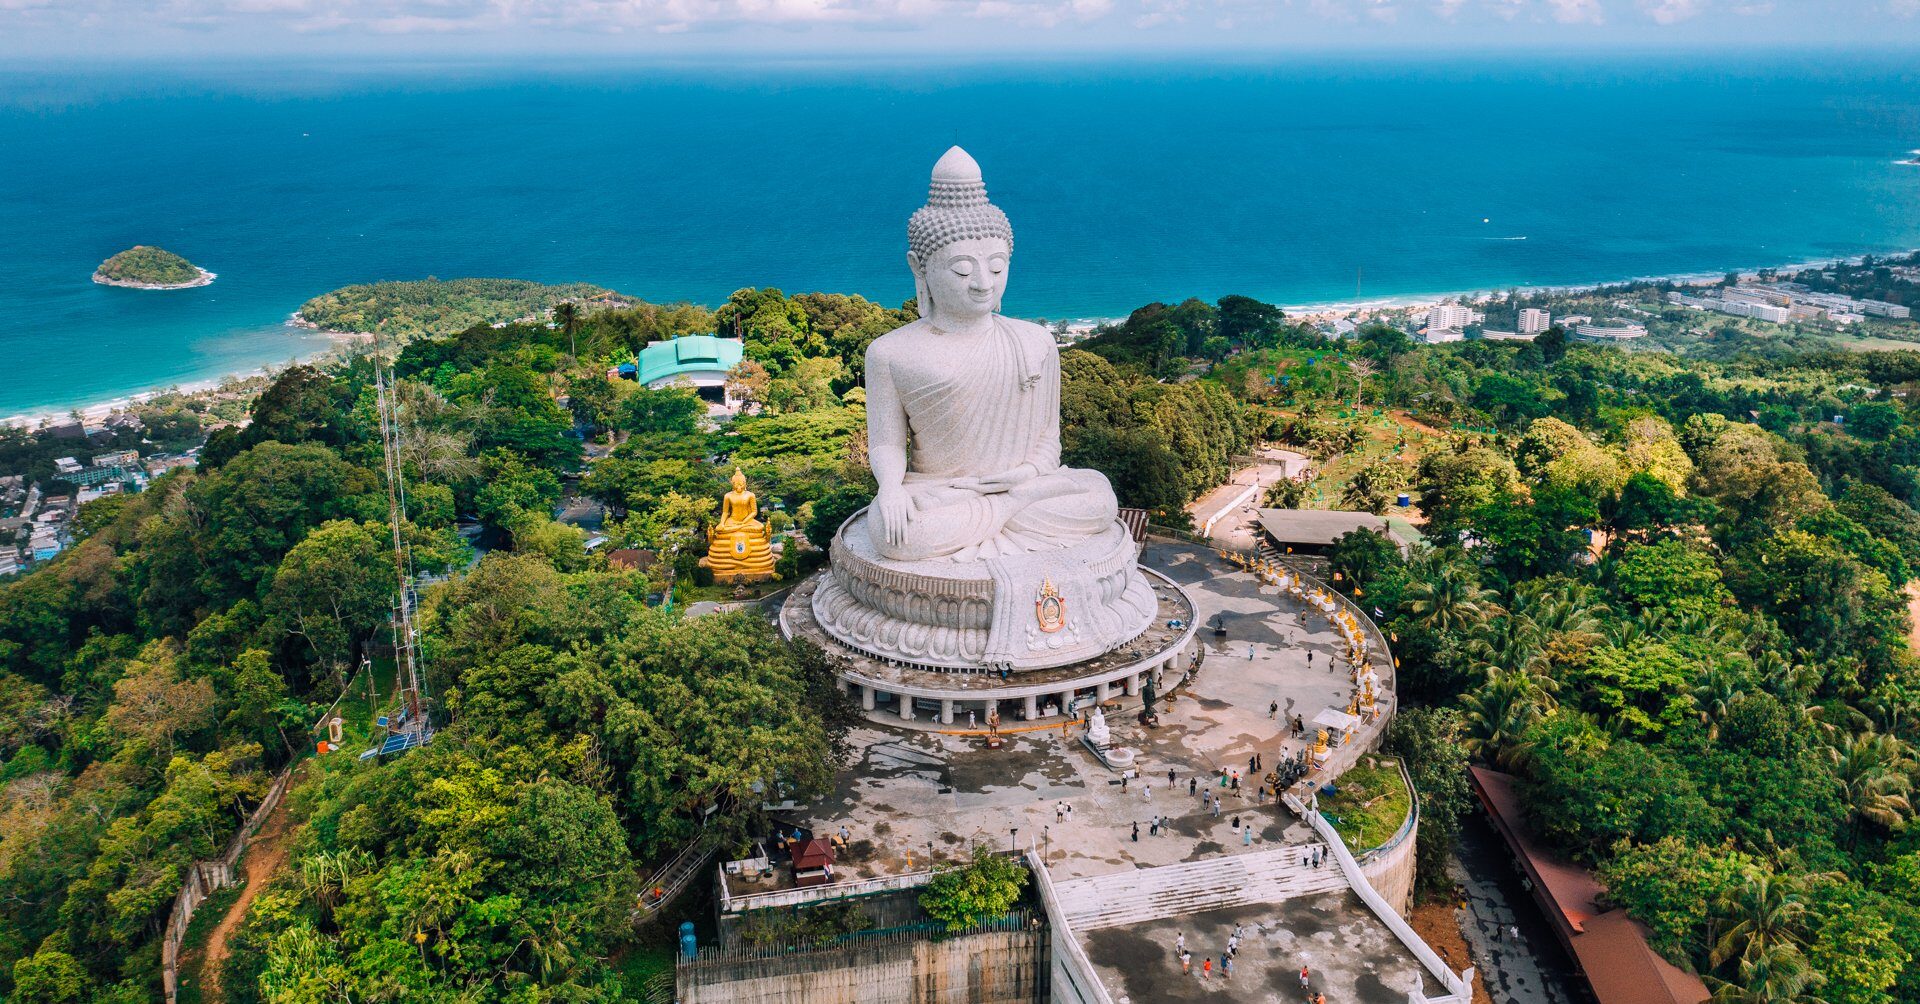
1071 976
989 967
207 877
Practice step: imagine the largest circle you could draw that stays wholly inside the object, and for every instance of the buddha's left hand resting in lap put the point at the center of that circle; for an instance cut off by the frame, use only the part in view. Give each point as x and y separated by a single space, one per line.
963 405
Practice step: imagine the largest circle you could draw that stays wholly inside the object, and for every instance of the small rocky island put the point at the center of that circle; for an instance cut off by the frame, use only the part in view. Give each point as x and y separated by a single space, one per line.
143 267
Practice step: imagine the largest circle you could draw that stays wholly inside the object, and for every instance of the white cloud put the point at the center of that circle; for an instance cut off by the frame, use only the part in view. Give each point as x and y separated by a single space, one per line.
1577 11
1903 8
1670 11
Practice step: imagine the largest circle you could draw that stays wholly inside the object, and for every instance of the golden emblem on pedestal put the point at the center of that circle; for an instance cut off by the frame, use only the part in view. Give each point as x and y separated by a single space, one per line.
1050 608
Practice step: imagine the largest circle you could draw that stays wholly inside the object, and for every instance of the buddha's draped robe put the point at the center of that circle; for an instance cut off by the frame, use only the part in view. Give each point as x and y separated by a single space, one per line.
997 409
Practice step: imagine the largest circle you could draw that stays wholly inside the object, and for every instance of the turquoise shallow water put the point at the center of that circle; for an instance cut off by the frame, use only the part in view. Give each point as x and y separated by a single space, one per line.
1125 182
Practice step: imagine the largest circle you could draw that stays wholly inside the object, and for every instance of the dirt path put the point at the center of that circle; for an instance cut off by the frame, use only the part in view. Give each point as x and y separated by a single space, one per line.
1913 616
266 852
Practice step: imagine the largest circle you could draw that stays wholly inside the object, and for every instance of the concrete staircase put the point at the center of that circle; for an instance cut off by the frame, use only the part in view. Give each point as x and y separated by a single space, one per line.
1143 894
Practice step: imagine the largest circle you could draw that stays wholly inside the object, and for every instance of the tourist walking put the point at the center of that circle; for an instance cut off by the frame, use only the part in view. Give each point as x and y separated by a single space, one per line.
1192 783
1153 828
1059 812
1206 969
1186 963
1179 942
1273 709
1226 967
1146 793
1306 979
1136 831
1169 777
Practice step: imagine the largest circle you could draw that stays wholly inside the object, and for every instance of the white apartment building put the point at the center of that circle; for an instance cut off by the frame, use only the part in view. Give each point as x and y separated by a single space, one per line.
1437 336
1533 320
1452 315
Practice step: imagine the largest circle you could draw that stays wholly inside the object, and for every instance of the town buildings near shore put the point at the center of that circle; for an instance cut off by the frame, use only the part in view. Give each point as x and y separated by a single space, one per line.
1533 321
1785 302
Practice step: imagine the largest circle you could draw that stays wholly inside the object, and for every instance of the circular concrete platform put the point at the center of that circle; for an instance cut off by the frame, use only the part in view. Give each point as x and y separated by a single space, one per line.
928 694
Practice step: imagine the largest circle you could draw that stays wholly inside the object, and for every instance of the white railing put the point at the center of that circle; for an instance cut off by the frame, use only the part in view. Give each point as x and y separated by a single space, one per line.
1458 986
739 903
1070 963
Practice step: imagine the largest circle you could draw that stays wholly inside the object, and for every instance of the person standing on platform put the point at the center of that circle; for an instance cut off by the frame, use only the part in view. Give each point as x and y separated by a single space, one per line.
1273 709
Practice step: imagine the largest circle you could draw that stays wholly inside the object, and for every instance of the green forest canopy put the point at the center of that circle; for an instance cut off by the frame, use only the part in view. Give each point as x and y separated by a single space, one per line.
423 307
1713 702
148 266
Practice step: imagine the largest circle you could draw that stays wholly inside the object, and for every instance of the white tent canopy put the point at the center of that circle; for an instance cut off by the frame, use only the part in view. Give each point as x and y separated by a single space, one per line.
1334 718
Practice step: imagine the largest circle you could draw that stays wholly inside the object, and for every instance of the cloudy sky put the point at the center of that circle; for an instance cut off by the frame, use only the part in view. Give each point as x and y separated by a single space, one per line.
54 28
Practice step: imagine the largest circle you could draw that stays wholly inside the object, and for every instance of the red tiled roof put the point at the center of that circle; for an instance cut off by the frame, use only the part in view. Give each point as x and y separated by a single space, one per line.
1610 946
812 853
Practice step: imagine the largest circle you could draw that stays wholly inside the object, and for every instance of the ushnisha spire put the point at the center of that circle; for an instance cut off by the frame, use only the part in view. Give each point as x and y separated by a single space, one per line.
957 208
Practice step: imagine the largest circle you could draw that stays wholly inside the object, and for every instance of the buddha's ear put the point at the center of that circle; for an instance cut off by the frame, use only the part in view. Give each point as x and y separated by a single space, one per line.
922 299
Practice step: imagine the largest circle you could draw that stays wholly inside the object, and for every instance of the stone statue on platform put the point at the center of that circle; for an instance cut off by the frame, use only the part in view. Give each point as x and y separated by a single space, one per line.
1097 732
963 405
739 546
980 548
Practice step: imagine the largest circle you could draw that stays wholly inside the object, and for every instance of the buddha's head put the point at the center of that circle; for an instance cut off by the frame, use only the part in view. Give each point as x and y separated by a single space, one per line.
959 245
739 480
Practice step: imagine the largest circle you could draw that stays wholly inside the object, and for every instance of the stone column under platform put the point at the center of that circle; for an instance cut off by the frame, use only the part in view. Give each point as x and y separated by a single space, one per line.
946 711
906 708
1032 708
866 698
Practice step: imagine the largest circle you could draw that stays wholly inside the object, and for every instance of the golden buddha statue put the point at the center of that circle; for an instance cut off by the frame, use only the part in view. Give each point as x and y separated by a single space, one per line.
739 546
1319 746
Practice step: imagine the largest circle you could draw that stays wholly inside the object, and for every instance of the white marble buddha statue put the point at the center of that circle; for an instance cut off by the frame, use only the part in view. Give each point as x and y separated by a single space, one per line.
980 550
963 405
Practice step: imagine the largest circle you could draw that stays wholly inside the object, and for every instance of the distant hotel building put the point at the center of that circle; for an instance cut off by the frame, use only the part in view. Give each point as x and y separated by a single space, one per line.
1508 336
1533 321
1452 315
1611 332
1437 336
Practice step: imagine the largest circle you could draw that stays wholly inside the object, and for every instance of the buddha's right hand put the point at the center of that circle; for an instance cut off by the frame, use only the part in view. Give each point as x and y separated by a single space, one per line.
893 508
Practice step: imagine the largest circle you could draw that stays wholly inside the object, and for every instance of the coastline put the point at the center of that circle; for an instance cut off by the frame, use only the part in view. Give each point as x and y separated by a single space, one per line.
1297 311
206 279
100 409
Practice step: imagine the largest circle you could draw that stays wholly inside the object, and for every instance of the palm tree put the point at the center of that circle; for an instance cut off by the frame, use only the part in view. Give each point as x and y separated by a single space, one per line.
566 313
1778 976
1499 713
1763 918
1447 597
1874 772
1719 688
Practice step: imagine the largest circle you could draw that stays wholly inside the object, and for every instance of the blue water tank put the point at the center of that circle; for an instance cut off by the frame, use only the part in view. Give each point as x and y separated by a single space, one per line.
686 938
1403 500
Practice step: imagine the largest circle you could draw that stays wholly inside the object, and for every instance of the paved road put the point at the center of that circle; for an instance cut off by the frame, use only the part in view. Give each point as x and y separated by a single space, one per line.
1531 970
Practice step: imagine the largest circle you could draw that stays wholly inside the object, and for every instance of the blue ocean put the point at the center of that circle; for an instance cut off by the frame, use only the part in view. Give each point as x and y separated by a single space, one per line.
1296 179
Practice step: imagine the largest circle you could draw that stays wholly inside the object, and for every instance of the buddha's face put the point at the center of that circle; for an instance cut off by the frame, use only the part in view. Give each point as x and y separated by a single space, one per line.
967 278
